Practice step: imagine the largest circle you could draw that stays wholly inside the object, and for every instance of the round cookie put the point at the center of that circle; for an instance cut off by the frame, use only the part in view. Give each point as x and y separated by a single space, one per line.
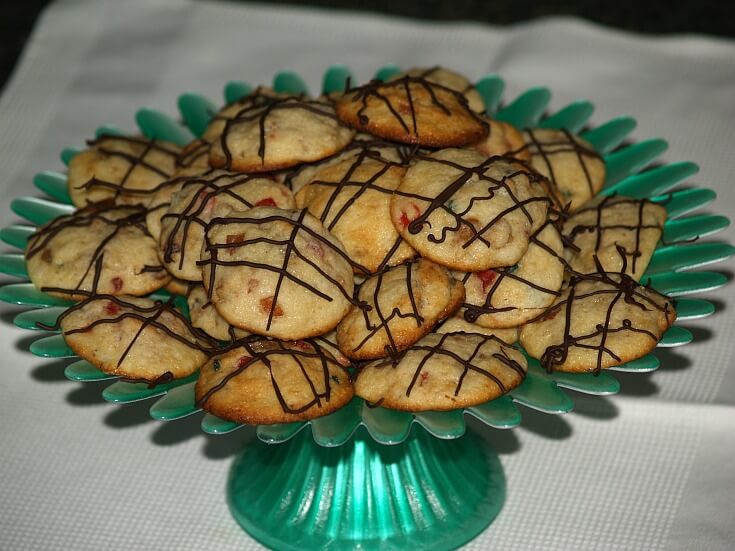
95 250
621 232
204 316
449 79
200 199
412 110
502 139
468 212
443 372
260 382
575 171
277 272
277 133
457 324
257 97
405 302
134 338
600 320
508 297
352 200
122 168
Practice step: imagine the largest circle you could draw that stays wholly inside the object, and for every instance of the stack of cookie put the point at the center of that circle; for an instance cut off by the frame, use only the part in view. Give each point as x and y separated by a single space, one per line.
392 242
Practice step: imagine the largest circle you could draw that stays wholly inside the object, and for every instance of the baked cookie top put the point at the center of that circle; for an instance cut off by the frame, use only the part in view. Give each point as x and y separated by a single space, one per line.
600 320
510 296
279 132
135 338
352 200
502 139
442 372
621 232
405 302
260 381
98 249
575 171
204 316
457 324
449 79
201 198
194 156
121 168
270 271
413 110
468 212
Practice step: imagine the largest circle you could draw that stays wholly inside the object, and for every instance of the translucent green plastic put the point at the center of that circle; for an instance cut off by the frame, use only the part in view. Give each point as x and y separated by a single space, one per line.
367 477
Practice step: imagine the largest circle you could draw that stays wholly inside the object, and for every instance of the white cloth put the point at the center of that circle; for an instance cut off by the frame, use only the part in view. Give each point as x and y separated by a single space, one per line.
650 468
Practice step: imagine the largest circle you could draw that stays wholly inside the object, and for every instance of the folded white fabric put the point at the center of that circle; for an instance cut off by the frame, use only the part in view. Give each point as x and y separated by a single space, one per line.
648 469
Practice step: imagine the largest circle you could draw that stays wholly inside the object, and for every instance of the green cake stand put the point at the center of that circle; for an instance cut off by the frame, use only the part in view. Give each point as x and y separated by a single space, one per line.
367 477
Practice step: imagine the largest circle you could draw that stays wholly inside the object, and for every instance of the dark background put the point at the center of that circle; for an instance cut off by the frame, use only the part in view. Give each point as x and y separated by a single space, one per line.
714 17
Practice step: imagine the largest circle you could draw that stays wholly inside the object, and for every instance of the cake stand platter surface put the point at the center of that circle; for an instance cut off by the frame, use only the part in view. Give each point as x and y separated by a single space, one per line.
367 477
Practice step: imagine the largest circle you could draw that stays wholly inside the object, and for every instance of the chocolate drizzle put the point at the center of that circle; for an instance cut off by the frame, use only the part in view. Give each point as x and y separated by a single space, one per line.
442 201
474 311
546 150
467 364
290 250
599 229
258 108
135 162
261 350
407 86
622 287
104 213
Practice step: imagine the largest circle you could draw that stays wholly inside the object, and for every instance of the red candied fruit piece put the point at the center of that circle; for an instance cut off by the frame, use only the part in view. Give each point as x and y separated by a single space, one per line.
112 308
424 378
487 277
302 345
235 238
117 283
266 305
405 220
243 361
267 202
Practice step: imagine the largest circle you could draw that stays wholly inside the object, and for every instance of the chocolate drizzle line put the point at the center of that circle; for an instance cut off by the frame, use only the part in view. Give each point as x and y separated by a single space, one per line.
356 188
308 348
623 288
467 364
376 89
135 161
260 107
466 174
86 217
384 325
291 250
210 186
149 318
610 202
568 145
474 311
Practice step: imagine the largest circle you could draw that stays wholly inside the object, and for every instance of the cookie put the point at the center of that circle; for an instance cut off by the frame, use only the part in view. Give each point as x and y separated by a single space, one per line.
352 200
510 296
443 372
412 110
204 316
405 303
135 338
600 320
277 133
620 231
457 324
449 79
575 171
466 211
96 250
121 168
277 272
200 199
260 382
178 287
502 139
